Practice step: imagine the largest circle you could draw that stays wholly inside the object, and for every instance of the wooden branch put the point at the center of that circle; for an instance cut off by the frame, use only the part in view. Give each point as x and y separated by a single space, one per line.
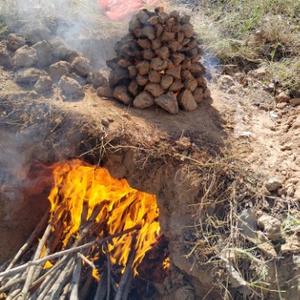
29 241
75 280
108 272
101 289
127 274
66 252
31 270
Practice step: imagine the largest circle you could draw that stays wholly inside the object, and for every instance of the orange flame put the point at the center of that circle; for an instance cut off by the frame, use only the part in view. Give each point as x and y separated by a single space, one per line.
80 189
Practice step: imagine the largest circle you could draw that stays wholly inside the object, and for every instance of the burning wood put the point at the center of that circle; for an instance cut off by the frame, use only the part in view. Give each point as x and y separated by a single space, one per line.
98 227
158 63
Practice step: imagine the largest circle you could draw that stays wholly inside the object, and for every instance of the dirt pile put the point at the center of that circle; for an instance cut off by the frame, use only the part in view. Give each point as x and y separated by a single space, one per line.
158 63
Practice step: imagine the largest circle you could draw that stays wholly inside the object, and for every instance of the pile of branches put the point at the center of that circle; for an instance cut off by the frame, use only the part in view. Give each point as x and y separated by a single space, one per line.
38 272
158 62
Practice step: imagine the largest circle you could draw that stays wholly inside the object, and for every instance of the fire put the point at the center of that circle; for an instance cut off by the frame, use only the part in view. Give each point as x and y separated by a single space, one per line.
82 192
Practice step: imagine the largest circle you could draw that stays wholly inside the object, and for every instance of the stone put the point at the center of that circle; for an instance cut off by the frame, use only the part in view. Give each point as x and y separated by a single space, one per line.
188 30
123 63
226 81
148 54
174 71
142 16
121 94
158 30
199 95
44 53
163 52
197 69
57 70
177 58
133 87
143 67
282 97
149 32
105 91
81 66
155 89
35 32
143 100
184 293
61 52
168 102
167 36
141 80
187 75
259 73
158 64
174 46
186 100
132 71
97 79
166 81
70 88
295 101
25 57
191 84
273 184
5 59
14 42
155 44
44 85
117 76
144 43
29 76
271 226
154 76
176 86
134 23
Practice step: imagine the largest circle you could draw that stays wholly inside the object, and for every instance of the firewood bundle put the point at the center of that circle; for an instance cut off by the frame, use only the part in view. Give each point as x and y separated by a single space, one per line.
158 63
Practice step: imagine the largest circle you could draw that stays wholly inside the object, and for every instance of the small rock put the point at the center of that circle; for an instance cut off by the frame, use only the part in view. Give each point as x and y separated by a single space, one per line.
61 52
184 293
144 43
226 81
155 89
43 85
273 184
187 101
105 91
5 60
141 80
44 53
29 76
295 101
148 54
158 64
176 86
199 95
281 105
35 32
143 100
188 30
97 79
177 58
271 226
105 122
191 84
70 88
174 71
25 57
166 81
282 97
163 52
14 42
133 87
117 76
143 68
258 73
149 32
154 76
132 71
120 93
59 69
168 102
81 66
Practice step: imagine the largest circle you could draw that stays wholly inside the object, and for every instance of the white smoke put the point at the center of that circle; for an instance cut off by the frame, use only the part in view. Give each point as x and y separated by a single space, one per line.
81 24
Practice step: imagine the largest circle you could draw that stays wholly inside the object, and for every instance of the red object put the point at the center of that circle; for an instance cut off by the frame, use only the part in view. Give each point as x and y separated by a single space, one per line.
120 9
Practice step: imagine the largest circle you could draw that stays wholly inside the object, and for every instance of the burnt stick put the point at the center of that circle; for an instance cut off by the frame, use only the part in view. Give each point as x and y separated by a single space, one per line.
76 279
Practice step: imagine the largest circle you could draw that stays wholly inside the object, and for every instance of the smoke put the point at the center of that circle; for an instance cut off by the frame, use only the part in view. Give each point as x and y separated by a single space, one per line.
82 25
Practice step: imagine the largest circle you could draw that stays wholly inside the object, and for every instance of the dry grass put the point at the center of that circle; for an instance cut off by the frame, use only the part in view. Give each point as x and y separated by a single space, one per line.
250 33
